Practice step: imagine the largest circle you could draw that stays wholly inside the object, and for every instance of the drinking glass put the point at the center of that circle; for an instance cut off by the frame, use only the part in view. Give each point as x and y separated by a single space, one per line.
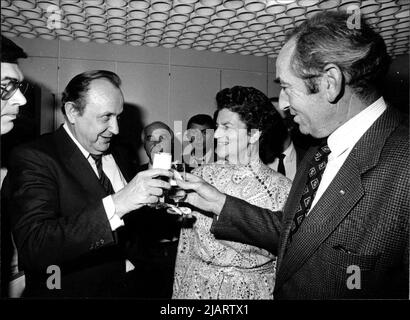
174 194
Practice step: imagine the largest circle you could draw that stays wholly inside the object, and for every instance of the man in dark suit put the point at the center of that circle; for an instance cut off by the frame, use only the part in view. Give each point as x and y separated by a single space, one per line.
70 195
344 231
12 98
157 237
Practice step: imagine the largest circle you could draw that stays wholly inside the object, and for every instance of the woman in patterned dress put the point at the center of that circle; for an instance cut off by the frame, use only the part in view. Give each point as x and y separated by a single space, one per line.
208 268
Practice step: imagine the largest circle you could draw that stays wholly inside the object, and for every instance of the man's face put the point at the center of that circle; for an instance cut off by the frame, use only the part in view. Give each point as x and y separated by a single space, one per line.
97 125
10 107
157 139
201 137
312 112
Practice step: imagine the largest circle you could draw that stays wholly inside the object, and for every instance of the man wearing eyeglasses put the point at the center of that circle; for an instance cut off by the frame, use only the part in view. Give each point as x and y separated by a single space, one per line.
12 87
12 97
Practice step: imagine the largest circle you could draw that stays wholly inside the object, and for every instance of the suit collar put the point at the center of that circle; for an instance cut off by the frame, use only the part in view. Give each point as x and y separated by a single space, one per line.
77 164
337 201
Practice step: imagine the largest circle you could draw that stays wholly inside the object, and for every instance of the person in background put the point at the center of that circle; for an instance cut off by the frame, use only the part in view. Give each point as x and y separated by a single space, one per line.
157 230
12 84
208 268
12 282
200 132
71 192
156 137
290 155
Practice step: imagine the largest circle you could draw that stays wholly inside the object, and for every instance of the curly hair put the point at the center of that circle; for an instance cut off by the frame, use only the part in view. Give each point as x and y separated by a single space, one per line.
359 53
256 111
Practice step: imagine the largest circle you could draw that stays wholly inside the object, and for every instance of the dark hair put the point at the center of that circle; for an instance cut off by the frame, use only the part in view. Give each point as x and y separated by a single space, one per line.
257 112
327 38
10 52
201 119
78 87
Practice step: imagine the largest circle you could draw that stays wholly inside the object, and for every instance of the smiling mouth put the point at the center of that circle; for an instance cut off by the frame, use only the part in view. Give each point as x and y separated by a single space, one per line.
107 139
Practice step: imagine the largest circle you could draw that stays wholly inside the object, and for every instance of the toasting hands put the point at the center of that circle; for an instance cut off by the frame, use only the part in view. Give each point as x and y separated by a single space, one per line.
201 194
146 187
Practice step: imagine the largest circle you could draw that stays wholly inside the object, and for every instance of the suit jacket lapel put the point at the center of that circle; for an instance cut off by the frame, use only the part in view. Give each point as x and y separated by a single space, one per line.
337 201
77 164
292 203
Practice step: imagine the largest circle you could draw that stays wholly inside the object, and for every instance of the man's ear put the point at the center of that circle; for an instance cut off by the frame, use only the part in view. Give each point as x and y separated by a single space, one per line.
71 112
332 82
254 136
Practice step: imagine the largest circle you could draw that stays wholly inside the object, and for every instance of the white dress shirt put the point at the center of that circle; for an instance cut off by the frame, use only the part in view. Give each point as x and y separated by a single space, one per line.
113 173
343 139
290 162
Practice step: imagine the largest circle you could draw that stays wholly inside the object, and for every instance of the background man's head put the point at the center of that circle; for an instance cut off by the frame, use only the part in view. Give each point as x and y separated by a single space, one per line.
284 112
91 104
157 137
12 88
326 63
201 133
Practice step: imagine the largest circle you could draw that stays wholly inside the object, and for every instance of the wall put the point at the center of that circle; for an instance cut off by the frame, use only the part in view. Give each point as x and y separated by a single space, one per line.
158 84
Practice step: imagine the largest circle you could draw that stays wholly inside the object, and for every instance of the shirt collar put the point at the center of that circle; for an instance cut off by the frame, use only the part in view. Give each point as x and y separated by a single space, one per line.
347 135
290 152
70 134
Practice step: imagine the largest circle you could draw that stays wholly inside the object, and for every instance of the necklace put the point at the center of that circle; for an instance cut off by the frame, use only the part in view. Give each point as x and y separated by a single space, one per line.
262 183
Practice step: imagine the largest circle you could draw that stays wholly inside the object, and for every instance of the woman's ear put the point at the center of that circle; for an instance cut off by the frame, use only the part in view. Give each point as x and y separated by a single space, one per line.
254 136
332 82
71 112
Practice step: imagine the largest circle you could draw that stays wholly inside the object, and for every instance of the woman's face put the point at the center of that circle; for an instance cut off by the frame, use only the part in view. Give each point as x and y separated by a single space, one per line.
232 137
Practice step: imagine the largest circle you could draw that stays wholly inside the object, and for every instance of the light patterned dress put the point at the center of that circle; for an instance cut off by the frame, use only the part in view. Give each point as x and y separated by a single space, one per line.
208 268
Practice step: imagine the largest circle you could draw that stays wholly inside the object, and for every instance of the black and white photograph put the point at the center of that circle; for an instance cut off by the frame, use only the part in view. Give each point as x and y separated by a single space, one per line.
205 158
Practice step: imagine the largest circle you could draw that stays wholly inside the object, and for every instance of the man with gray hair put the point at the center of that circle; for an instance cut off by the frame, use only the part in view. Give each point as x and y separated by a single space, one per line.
344 231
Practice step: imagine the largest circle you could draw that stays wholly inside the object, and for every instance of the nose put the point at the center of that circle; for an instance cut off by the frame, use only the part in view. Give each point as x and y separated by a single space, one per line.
218 133
114 128
283 101
18 98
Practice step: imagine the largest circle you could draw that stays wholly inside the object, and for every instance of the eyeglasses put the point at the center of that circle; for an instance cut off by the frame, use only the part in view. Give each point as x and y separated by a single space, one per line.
9 89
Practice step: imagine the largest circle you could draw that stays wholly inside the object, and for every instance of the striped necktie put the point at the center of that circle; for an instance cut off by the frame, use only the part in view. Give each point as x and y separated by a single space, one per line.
105 182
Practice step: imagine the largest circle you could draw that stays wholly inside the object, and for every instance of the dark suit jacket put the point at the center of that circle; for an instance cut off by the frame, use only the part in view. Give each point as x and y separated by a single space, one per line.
361 220
300 153
58 218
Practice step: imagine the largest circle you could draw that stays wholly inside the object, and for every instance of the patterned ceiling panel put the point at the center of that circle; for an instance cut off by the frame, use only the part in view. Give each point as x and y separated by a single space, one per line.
247 27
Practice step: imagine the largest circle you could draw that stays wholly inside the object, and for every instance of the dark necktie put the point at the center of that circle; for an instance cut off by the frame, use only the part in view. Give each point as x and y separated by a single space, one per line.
315 174
281 165
105 182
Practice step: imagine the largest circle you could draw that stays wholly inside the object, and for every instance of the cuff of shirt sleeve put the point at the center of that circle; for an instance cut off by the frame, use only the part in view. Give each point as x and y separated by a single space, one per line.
115 220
